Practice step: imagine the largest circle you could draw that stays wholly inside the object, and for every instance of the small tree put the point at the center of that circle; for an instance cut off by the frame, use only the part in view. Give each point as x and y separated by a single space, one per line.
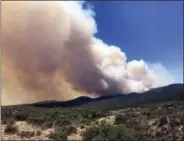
11 129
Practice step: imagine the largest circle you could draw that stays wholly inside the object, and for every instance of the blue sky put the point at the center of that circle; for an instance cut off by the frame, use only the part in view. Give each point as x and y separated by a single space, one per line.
152 31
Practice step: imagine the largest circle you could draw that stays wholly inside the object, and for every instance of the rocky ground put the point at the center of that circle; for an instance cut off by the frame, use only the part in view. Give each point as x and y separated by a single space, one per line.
25 131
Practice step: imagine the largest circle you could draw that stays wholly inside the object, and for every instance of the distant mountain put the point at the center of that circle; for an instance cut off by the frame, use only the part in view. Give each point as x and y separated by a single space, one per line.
162 94
167 93
74 102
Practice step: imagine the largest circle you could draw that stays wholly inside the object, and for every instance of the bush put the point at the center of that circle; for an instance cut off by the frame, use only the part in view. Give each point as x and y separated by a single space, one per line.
26 134
37 120
3 121
63 132
62 121
96 122
21 115
84 121
120 119
163 120
38 133
60 135
82 126
8 121
147 113
71 129
41 118
11 129
11 121
107 132
90 113
47 124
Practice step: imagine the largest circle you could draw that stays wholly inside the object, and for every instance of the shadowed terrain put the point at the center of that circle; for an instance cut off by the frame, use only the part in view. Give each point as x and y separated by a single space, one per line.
167 93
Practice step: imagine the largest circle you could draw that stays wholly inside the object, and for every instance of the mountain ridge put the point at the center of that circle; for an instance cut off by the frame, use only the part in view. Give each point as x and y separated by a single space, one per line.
165 93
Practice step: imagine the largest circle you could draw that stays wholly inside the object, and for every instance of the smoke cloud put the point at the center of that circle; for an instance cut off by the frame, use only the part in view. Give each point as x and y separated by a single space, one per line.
49 51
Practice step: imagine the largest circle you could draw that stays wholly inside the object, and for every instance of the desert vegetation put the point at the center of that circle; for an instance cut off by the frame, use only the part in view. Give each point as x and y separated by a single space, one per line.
155 121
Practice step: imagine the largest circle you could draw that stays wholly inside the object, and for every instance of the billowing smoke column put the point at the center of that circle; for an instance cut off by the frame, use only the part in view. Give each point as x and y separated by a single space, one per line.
49 52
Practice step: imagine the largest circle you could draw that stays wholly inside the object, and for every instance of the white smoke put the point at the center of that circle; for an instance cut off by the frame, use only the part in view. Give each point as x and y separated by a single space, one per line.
133 76
45 43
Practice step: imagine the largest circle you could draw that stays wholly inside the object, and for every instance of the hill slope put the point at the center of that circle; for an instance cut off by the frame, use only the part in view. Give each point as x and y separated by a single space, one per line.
167 93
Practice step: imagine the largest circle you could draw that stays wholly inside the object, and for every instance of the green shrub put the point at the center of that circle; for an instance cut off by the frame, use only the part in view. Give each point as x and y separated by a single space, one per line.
62 121
163 120
62 132
41 118
59 136
96 122
37 120
47 124
90 113
3 121
120 119
11 129
8 121
84 121
11 121
107 132
147 114
71 129
26 134
21 115
82 126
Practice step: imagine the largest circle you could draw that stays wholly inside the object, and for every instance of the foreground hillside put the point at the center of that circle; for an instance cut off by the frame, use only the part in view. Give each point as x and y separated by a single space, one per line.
161 121
156 115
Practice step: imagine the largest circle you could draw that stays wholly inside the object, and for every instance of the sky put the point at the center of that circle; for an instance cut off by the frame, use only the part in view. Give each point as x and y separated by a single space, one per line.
152 31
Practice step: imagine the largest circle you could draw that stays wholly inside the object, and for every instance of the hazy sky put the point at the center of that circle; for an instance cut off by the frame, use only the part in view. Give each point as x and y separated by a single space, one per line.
152 31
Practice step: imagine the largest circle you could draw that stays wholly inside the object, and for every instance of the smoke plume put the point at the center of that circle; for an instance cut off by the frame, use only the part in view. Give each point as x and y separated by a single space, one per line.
49 51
